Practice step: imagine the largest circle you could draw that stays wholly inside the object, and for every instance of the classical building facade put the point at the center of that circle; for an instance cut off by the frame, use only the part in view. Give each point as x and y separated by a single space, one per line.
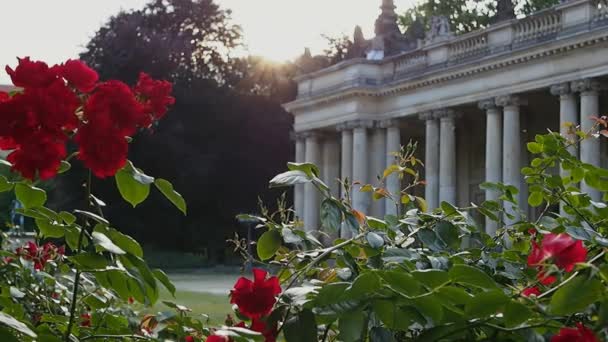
472 101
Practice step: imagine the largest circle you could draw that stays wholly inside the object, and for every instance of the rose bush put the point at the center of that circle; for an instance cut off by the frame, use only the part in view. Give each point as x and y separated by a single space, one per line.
418 276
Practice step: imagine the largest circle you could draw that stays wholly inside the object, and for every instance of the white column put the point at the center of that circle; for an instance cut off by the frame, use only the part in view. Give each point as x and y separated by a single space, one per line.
346 165
447 156
299 188
331 164
361 200
511 150
431 160
568 120
493 154
393 183
311 194
590 147
378 165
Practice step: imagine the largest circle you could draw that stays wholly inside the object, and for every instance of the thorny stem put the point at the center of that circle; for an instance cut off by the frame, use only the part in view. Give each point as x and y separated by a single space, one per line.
78 273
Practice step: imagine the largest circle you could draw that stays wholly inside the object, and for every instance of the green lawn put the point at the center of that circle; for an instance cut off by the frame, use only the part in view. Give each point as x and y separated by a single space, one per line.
215 306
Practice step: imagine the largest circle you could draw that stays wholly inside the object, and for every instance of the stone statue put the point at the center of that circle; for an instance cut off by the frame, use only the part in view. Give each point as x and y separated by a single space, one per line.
505 10
440 29
376 53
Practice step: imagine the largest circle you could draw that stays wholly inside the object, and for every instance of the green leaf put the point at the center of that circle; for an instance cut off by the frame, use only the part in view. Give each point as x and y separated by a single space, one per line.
465 274
164 279
364 285
5 185
310 169
131 189
351 326
166 188
379 334
50 229
352 225
431 278
576 295
422 204
290 178
13 323
391 315
534 147
485 304
448 233
67 217
268 244
401 282
125 242
535 199
90 260
375 241
516 313
30 196
7 336
331 215
301 328
100 239
430 306
64 167
93 216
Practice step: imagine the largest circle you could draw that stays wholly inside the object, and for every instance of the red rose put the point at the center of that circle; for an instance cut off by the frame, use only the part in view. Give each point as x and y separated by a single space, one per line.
4 97
531 291
30 74
113 105
103 150
17 121
40 155
270 333
85 320
189 339
578 334
78 74
156 95
255 298
563 249
217 338
55 106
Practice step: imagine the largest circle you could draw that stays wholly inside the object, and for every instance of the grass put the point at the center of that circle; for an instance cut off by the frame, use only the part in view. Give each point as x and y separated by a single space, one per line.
215 306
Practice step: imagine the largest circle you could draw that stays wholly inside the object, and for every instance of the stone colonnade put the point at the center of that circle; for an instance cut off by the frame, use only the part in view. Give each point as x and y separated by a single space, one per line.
362 149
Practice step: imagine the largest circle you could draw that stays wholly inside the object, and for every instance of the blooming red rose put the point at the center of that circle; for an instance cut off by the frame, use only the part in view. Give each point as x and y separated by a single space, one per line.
85 320
155 94
103 150
31 74
4 97
79 75
578 334
189 339
40 255
40 155
527 292
113 105
217 338
563 249
255 298
270 332
54 106
17 121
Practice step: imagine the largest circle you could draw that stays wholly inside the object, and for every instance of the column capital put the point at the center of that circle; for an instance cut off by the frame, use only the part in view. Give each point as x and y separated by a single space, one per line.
587 85
343 126
446 114
387 123
561 89
487 104
308 134
510 100
426 116
361 124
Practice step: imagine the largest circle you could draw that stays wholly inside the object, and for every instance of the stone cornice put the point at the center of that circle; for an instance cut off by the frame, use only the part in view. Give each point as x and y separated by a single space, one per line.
487 64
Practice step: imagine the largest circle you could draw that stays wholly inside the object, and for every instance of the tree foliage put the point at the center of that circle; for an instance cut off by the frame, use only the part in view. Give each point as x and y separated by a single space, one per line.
227 134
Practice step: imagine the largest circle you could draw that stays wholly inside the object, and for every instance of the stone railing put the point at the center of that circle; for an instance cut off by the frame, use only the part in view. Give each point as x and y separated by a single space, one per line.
602 10
410 61
545 24
568 18
469 47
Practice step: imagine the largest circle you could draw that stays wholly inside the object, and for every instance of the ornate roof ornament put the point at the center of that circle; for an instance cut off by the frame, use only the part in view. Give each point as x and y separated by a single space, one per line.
505 10
440 29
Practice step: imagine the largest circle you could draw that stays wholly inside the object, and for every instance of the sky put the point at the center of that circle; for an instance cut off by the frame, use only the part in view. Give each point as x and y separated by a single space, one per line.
56 30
